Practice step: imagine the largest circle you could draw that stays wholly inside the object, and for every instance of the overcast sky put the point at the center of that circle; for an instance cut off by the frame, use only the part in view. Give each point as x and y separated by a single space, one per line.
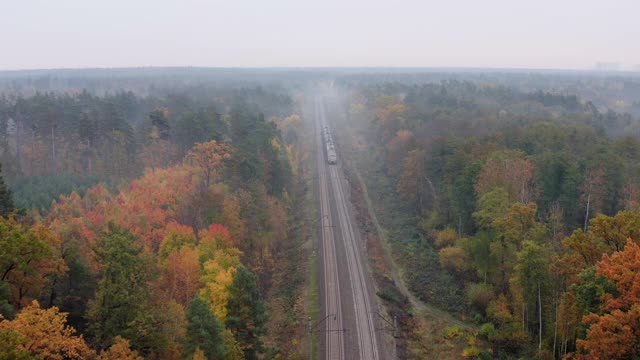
272 33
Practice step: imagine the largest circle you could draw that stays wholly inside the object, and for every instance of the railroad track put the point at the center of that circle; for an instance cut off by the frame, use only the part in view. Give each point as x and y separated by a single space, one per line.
354 314
332 321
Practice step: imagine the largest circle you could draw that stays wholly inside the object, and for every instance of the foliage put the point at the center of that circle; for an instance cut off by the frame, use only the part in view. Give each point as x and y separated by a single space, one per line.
180 274
6 310
209 157
488 330
38 192
125 259
6 200
27 259
479 296
46 334
453 332
12 347
120 350
246 313
521 192
471 352
446 237
616 332
120 306
204 332
453 258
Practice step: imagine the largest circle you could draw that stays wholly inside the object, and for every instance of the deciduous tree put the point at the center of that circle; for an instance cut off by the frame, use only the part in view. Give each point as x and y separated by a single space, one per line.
181 272
615 334
46 334
120 350
509 171
27 258
209 157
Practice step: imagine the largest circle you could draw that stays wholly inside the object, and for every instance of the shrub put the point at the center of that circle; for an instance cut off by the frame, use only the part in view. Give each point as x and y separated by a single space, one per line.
453 332
488 330
471 352
446 237
498 310
453 258
479 296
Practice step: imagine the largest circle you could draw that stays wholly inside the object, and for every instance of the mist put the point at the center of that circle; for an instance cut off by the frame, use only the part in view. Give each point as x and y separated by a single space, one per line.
286 33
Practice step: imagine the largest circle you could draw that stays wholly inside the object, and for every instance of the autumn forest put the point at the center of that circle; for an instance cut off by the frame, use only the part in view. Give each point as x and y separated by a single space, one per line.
170 214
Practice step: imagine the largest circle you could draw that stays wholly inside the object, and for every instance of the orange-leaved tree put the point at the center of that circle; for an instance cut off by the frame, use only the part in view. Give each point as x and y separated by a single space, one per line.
46 334
616 333
120 350
180 274
209 157
510 171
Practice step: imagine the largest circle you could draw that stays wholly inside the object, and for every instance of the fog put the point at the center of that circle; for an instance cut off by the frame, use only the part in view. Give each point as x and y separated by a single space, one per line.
568 34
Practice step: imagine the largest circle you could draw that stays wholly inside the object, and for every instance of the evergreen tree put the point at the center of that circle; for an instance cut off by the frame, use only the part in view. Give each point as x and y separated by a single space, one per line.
6 310
246 312
203 331
6 201
120 307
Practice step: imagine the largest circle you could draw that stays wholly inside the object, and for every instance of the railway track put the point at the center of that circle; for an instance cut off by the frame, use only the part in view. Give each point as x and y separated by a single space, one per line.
348 309
333 328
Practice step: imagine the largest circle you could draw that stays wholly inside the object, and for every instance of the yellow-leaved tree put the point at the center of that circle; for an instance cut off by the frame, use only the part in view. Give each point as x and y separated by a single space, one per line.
120 350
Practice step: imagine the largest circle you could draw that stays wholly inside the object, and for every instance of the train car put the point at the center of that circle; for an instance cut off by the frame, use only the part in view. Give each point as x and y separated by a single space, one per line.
331 151
331 154
332 157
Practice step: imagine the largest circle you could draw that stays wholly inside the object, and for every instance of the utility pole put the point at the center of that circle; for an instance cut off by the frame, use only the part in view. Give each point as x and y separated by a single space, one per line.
312 326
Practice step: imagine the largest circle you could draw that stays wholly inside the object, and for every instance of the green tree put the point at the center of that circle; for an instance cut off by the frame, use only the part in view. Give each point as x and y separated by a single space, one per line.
519 223
532 275
479 249
121 305
491 206
26 258
590 289
6 200
246 316
6 310
203 331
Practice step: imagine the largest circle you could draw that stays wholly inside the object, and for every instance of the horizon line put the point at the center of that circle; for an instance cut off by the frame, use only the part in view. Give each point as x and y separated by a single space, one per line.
328 67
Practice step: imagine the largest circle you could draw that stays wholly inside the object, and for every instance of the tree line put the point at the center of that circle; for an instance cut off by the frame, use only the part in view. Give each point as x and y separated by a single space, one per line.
52 143
172 264
519 210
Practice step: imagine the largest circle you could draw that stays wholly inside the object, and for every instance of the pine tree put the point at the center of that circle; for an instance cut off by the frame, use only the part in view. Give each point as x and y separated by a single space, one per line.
120 307
6 310
6 201
203 331
246 312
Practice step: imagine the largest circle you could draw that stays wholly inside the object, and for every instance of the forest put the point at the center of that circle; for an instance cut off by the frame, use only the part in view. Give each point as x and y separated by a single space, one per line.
165 213
517 210
137 225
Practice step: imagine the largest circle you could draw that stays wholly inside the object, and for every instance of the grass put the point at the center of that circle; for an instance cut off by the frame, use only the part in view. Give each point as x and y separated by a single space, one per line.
312 299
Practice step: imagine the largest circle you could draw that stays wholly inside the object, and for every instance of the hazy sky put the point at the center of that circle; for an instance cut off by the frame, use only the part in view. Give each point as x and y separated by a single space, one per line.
266 33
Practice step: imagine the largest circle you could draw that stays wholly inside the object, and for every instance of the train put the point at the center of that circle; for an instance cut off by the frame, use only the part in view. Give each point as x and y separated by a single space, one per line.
332 157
